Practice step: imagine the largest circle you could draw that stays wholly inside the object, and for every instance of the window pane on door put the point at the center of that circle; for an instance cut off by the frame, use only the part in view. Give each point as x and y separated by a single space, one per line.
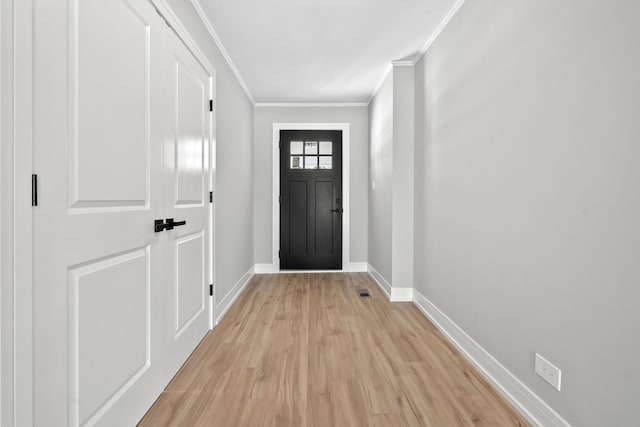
311 147
296 162
325 147
296 147
310 162
325 162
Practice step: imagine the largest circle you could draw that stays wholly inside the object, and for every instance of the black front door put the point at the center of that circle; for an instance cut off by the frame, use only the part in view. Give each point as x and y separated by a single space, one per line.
310 199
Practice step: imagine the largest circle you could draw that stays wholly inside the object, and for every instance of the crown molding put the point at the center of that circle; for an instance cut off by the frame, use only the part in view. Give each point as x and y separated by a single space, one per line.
309 104
218 42
403 63
454 9
408 63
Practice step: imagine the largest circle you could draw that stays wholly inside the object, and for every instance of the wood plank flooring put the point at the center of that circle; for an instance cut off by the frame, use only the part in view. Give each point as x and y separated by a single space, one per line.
306 350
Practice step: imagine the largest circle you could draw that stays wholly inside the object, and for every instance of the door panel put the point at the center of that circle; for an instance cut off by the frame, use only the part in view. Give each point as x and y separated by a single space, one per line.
297 218
190 276
101 336
98 263
310 200
324 217
109 137
186 174
191 98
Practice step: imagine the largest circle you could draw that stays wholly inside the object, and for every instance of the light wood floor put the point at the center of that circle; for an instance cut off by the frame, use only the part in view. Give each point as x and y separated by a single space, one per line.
305 350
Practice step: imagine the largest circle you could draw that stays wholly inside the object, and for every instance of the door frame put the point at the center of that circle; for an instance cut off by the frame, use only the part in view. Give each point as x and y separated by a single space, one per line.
16 212
275 236
16 260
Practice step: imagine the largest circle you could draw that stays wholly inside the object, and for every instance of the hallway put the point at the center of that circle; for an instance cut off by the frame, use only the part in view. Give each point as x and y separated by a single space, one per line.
304 349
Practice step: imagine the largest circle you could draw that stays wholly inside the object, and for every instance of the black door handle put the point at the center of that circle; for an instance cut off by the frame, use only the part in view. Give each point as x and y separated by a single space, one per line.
159 225
171 223
339 210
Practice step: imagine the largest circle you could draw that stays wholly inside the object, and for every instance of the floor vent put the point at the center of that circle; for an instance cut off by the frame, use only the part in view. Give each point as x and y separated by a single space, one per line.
364 293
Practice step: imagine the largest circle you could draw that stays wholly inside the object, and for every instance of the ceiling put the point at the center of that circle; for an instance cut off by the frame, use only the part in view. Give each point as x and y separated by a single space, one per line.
320 51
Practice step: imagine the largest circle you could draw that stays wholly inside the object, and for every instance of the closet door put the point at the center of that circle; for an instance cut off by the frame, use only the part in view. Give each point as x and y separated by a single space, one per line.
97 260
188 127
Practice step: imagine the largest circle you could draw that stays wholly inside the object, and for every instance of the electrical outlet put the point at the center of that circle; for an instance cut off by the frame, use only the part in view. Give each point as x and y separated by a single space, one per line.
548 372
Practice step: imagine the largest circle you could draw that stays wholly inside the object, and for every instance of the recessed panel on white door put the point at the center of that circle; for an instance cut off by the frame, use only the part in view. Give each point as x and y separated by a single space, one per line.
190 137
190 279
109 105
109 303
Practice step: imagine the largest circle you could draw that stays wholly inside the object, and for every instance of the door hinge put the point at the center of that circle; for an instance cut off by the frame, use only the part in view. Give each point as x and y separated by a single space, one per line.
210 196
211 290
34 189
211 105
278 254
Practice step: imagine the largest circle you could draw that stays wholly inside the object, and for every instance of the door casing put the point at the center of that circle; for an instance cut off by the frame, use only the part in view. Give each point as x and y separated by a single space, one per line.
275 236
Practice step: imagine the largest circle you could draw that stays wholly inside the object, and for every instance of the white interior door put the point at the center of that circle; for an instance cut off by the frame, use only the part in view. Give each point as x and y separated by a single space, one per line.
97 261
188 126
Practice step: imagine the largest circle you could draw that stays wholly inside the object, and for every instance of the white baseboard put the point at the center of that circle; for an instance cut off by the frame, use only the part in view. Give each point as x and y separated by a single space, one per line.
380 281
517 393
266 269
394 294
356 267
228 300
353 267
401 294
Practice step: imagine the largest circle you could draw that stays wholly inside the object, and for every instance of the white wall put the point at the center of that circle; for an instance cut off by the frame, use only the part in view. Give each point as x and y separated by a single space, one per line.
234 187
528 200
381 179
264 118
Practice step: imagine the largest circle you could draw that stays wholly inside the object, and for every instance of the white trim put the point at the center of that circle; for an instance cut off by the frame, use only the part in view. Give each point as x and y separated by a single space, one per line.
6 217
408 63
400 63
176 24
380 281
233 294
530 405
218 42
454 9
403 63
401 295
266 269
21 283
309 104
354 267
394 294
275 237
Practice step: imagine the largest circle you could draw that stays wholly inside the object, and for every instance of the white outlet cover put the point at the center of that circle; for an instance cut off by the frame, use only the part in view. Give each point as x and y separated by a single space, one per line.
548 371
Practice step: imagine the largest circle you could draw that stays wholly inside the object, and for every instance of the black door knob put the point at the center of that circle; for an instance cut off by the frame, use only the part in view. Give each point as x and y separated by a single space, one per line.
171 223
159 225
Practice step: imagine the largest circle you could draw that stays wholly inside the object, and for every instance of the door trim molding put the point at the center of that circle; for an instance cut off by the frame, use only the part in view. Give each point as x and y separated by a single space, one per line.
16 249
275 236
